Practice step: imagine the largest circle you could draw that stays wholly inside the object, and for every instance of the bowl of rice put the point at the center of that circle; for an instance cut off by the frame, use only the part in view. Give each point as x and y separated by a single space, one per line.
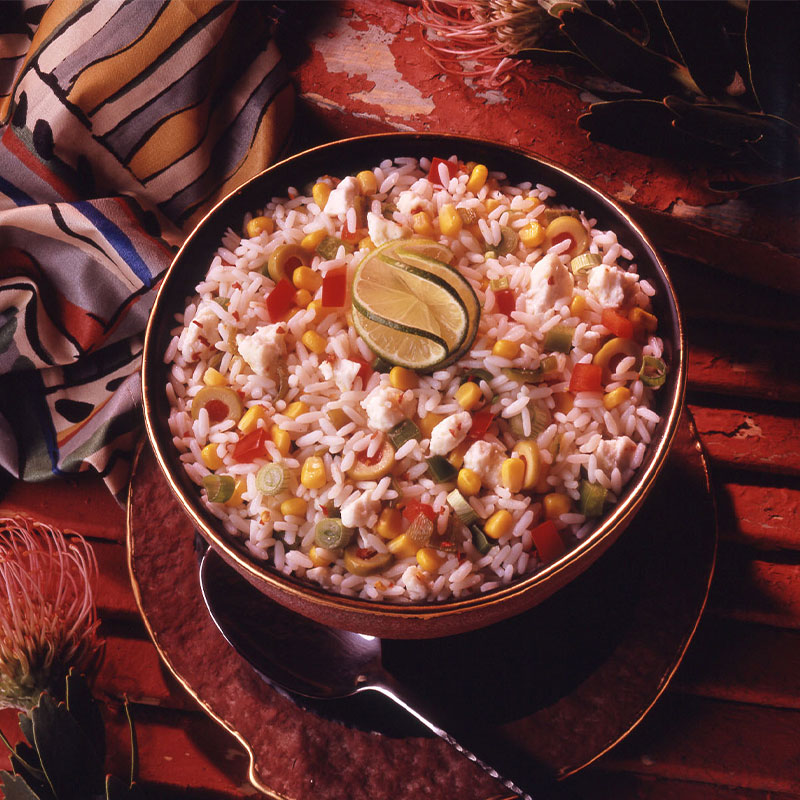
412 384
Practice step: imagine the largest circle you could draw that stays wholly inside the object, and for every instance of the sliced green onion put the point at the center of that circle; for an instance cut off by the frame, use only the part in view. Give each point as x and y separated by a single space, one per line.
464 511
498 284
479 539
468 215
585 262
272 479
559 338
540 419
421 530
222 301
592 499
331 510
219 488
441 469
381 365
555 445
331 534
477 375
329 247
653 372
546 365
508 241
402 432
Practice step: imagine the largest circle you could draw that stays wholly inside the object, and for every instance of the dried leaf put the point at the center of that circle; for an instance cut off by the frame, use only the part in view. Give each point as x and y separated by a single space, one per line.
15 788
644 126
772 39
702 42
622 58
84 708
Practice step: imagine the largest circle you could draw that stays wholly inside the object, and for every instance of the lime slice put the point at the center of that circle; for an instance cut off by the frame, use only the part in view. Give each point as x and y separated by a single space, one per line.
417 350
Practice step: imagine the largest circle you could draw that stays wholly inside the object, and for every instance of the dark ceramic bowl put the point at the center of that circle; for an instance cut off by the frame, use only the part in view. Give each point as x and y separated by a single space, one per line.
348 157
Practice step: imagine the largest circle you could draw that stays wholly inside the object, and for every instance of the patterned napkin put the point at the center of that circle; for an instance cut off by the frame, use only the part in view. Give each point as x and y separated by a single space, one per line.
121 123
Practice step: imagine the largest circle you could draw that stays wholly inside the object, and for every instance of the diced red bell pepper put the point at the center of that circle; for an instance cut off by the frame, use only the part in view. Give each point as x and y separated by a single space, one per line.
547 541
414 508
433 174
481 420
280 299
506 301
586 378
334 287
618 324
252 446
365 370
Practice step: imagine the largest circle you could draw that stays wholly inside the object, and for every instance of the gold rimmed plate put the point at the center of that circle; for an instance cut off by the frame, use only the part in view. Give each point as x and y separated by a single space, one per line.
564 681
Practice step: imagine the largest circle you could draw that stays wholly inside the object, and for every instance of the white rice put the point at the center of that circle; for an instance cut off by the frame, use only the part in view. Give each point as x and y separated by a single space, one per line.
582 439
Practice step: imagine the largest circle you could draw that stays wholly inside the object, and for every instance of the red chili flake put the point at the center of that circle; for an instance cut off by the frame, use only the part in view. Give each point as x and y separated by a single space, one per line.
236 285
199 324
203 340
235 315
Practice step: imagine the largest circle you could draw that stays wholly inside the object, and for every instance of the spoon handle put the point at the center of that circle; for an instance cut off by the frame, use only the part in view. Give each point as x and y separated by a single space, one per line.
516 770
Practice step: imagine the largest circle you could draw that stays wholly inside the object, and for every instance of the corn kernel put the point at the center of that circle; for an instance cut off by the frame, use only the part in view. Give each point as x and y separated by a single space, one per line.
310 241
316 307
491 204
578 306
499 524
320 193
422 224
429 559
314 342
238 490
281 439
302 297
402 546
212 377
294 410
555 504
294 507
250 418
616 397
505 348
306 278
366 244
210 457
390 523
428 423
532 234
564 401
449 220
402 378
367 181
312 474
512 474
469 395
259 225
320 557
468 482
456 457
477 178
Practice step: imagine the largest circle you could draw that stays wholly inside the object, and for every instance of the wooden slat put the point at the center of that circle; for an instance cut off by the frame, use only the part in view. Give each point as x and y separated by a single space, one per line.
708 741
742 662
114 596
749 439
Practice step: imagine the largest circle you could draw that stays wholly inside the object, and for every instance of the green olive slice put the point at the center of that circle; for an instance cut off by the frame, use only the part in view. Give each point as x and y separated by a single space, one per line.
368 563
220 402
566 226
372 469
617 347
528 451
284 259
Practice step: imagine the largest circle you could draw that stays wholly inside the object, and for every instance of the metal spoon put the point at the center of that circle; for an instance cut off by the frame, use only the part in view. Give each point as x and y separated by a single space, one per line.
302 657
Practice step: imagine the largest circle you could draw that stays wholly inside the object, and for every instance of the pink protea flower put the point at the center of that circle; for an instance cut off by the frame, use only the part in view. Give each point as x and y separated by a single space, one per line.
48 619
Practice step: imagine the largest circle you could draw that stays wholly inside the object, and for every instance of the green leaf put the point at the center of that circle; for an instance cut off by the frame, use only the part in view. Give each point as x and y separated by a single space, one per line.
69 761
84 708
15 788
622 58
26 759
772 35
26 726
134 745
702 42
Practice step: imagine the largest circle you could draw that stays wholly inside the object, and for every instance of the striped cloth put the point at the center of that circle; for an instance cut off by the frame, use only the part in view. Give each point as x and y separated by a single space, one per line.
121 123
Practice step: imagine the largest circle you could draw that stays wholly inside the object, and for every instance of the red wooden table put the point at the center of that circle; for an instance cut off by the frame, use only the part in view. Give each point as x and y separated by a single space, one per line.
729 725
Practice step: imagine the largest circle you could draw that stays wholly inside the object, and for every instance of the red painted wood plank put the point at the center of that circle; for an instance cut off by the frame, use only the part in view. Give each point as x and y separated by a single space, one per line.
764 517
80 503
114 596
749 439
708 741
731 660
757 591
